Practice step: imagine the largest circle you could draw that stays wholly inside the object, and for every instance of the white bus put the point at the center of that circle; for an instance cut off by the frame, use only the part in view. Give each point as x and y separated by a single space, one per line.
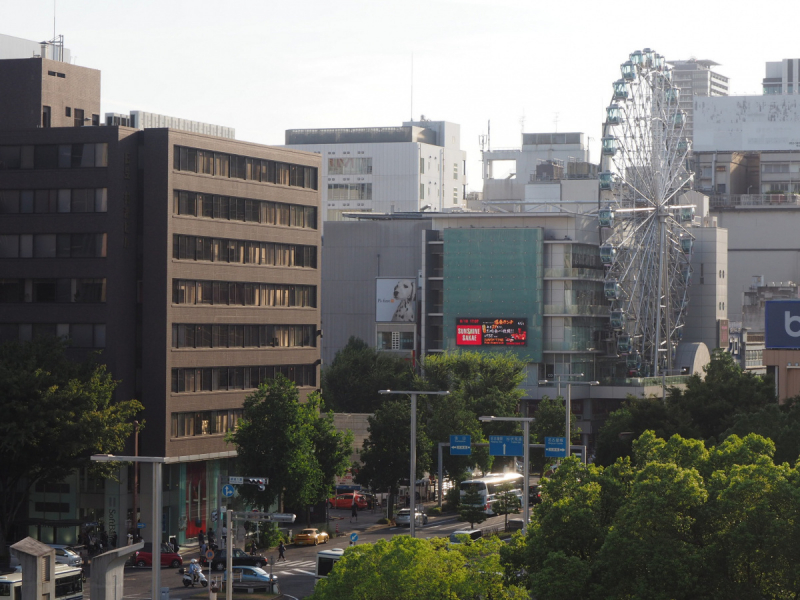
489 485
69 584
326 560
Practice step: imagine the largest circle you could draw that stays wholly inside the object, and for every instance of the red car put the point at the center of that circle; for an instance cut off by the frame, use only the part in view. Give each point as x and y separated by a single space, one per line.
346 501
169 558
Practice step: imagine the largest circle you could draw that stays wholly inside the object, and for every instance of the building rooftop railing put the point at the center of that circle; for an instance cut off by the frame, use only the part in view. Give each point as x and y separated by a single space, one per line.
753 200
646 381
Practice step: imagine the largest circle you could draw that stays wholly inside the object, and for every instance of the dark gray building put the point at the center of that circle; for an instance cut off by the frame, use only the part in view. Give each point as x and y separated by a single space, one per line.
191 261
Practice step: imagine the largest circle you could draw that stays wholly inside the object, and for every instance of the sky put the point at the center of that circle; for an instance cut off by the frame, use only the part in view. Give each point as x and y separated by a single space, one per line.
264 66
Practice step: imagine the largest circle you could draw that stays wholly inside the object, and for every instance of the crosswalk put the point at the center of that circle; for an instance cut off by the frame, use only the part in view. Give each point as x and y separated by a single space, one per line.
293 567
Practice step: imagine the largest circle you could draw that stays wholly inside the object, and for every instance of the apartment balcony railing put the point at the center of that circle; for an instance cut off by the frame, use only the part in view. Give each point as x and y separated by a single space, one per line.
581 273
747 200
581 310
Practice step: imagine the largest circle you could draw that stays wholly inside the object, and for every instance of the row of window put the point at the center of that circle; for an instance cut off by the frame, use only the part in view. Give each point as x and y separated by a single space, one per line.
349 166
53 245
215 379
220 164
54 156
186 291
349 191
53 201
80 335
207 422
53 290
242 209
395 340
190 247
243 336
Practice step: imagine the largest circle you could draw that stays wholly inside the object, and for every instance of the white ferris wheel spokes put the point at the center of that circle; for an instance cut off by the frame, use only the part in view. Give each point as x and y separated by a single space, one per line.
646 249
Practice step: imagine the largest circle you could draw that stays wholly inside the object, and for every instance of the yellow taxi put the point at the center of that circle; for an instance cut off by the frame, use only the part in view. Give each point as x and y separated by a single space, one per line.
311 537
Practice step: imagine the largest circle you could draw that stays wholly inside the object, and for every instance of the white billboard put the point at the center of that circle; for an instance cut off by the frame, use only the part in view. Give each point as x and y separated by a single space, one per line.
396 299
746 123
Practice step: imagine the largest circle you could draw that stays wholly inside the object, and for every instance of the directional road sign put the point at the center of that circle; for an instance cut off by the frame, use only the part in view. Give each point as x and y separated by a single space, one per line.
227 491
555 446
140 526
506 445
460 444
235 480
353 537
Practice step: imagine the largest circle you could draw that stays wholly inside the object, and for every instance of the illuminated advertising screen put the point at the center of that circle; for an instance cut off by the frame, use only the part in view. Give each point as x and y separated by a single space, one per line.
491 332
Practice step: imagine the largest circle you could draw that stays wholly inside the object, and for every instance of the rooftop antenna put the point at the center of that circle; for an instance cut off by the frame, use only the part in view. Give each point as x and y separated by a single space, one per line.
522 122
54 19
555 121
412 86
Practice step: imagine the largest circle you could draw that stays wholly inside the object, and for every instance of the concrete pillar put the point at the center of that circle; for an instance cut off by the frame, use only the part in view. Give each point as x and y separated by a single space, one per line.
145 504
108 573
38 562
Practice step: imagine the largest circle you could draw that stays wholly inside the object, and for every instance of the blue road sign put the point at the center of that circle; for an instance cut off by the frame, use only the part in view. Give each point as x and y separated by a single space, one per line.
140 526
555 446
353 537
227 491
506 445
461 444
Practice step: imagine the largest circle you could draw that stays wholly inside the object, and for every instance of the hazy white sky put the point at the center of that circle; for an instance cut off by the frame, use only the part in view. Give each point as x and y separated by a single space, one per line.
267 66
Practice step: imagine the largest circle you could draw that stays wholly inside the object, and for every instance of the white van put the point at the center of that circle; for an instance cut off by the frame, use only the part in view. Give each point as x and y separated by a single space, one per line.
66 555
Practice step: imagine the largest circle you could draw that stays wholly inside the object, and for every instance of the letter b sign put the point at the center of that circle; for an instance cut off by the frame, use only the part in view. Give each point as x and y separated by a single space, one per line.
782 324
788 320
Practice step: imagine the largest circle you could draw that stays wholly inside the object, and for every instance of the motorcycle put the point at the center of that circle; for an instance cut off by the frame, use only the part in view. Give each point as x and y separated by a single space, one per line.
191 580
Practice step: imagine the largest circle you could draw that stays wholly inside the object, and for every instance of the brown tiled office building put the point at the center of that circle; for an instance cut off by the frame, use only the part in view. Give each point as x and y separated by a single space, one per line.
191 261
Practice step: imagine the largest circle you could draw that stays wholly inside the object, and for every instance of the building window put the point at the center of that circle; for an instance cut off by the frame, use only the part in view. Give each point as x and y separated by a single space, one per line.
79 117
46 120
422 191
185 291
243 336
211 422
349 191
212 206
214 379
53 245
68 111
422 166
349 166
455 170
50 156
395 340
189 247
52 290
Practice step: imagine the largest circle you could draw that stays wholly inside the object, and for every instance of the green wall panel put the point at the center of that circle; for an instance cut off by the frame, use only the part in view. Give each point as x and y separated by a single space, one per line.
494 273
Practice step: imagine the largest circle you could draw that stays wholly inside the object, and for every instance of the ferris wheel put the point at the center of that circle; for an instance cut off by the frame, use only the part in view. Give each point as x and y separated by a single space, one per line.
647 246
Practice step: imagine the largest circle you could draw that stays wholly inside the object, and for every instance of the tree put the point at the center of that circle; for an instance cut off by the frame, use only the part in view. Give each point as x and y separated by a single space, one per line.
357 372
472 508
56 414
290 443
386 452
506 502
406 568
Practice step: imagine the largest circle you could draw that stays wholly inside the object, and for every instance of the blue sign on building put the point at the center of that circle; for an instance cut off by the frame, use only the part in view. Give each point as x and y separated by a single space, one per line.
461 445
555 446
506 445
782 324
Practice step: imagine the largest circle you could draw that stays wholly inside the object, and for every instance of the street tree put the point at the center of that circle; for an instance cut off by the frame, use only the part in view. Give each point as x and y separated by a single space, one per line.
506 502
56 414
357 372
290 443
471 509
386 452
406 568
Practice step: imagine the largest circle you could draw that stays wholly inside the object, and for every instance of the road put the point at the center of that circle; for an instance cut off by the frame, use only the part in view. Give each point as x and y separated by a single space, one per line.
296 575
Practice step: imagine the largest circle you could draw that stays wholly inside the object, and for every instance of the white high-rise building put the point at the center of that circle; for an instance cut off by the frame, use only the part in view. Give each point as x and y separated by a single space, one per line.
416 167
782 77
695 78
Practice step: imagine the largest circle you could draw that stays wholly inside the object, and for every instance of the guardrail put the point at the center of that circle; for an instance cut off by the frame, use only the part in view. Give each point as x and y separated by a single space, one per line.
748 200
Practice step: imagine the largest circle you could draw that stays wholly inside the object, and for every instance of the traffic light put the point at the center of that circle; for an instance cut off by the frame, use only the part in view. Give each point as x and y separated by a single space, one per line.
261 482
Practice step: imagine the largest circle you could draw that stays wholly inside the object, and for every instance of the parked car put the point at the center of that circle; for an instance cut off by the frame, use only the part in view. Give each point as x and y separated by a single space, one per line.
534 494
467 535
239 558
169 558
403 517
67 556
251 575
346 501
371 499
311 537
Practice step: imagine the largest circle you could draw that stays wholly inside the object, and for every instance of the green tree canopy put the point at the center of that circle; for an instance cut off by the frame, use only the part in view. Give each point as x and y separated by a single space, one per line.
56 414
690 522
290 443
357 372
406 568
471 509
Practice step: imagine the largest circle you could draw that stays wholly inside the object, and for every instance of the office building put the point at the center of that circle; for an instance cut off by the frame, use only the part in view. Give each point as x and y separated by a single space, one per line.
418 166
191 261
782 77
695 78
14 47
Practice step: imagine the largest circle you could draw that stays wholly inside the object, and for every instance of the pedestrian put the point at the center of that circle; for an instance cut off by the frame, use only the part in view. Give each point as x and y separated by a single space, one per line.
211 535
201 539
281 550
203 549
354 510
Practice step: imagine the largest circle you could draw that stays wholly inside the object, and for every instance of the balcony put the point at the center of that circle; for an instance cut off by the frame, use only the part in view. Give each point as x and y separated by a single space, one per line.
581 310
725 201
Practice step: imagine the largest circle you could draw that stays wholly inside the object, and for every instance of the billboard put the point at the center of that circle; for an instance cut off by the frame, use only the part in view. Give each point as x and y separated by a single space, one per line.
396 300
782 324
491 332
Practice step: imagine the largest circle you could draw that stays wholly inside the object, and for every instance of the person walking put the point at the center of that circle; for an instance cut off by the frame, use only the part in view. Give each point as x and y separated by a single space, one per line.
281 550
354 510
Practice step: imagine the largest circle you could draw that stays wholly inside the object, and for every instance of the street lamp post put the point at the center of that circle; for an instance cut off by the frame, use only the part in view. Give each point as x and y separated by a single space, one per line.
526 456
413 480
156 461
568 424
